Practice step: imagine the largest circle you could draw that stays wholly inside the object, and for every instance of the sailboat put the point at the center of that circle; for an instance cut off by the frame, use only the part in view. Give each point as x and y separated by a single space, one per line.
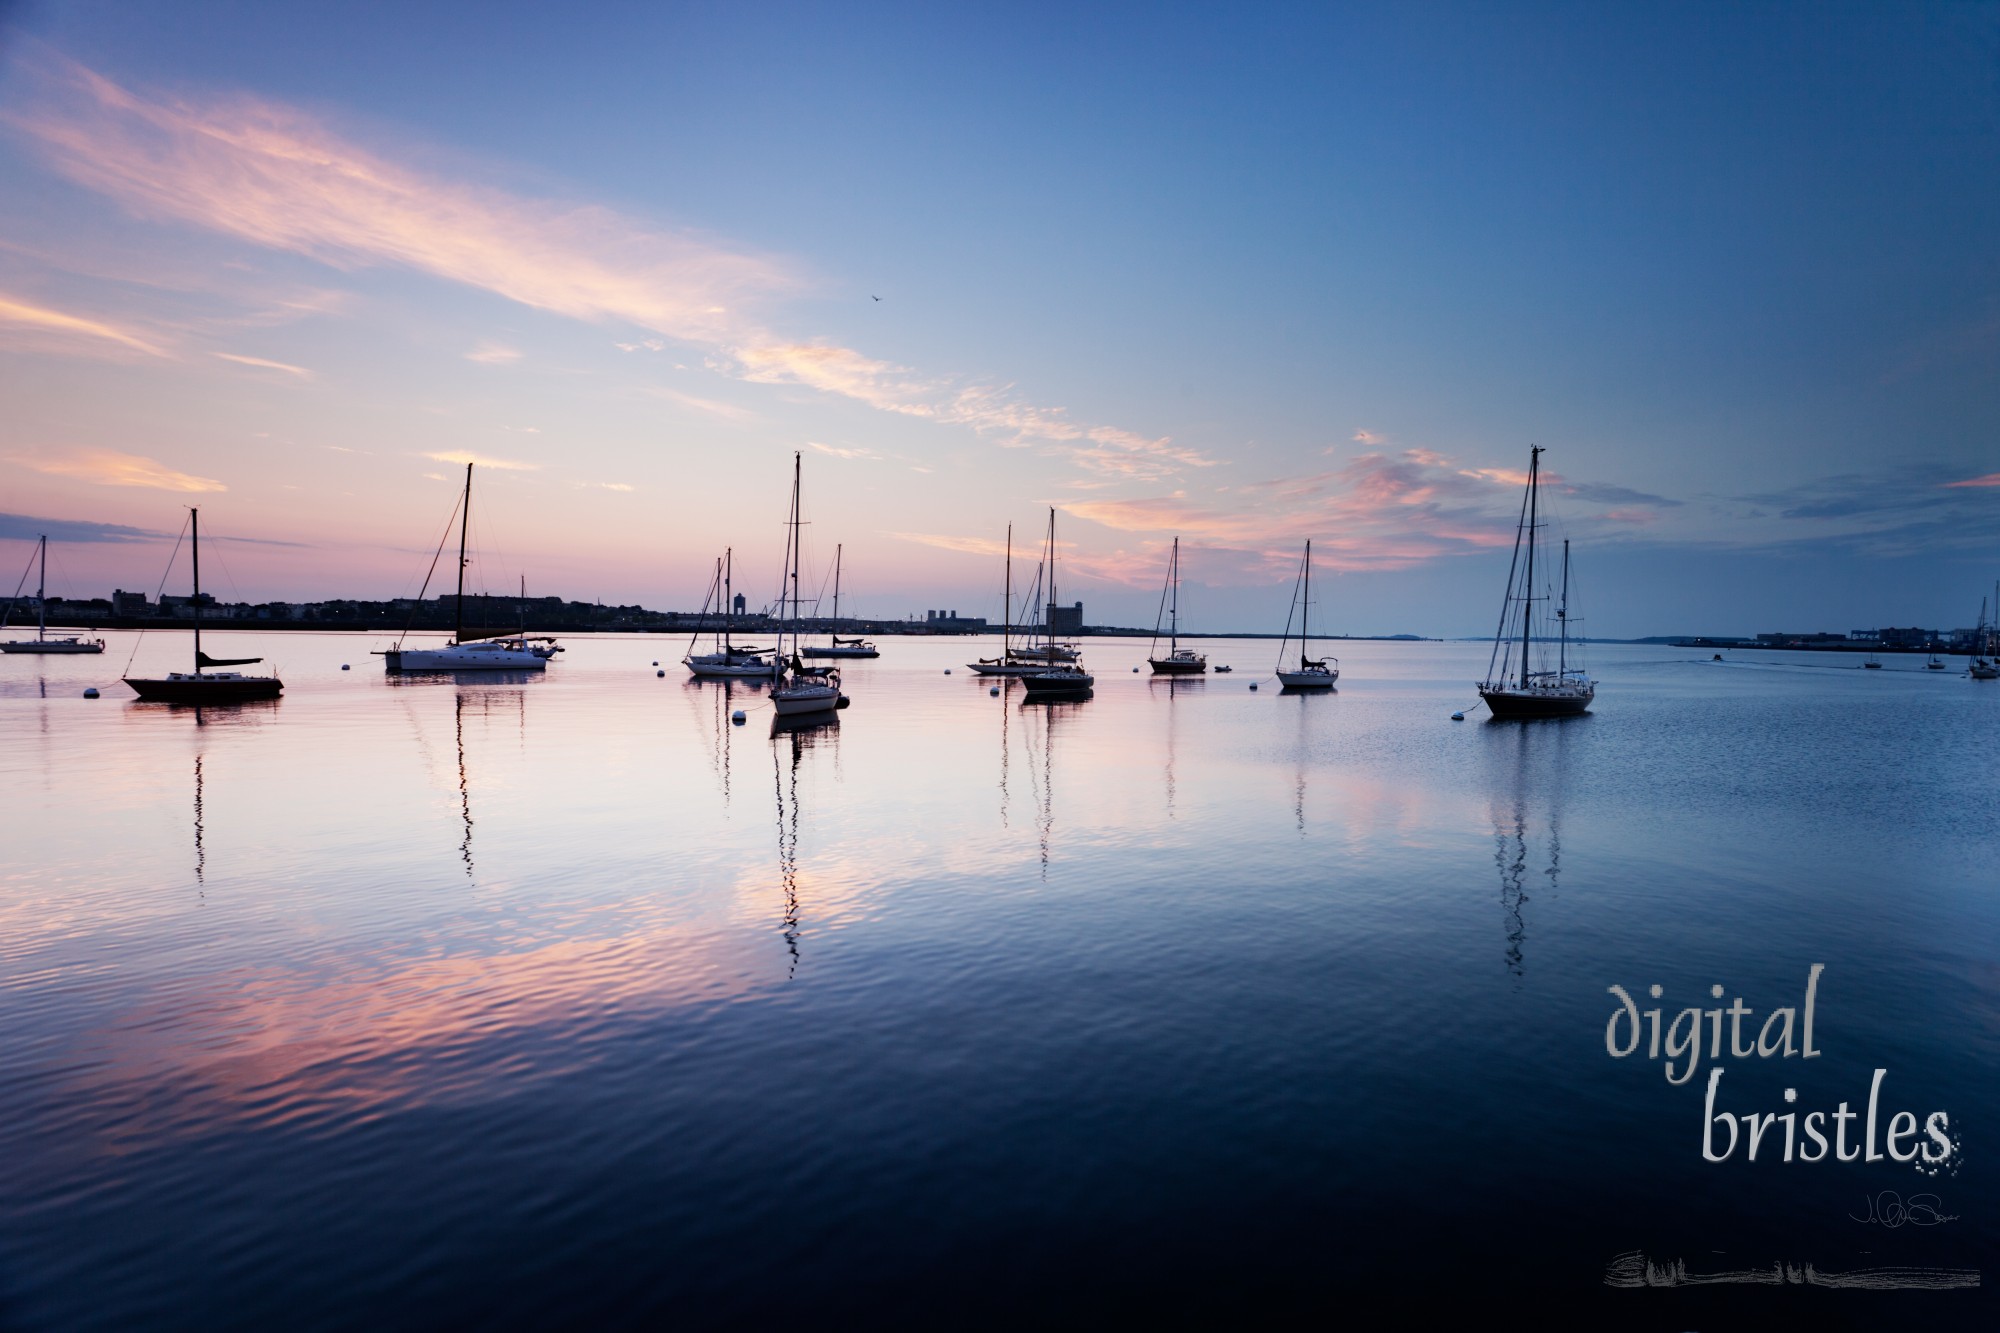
1528 690
205 684
800 690
1179 661
840 647
1058 675
1012 661
42 643
1984 665
1312 673
512 652
730 660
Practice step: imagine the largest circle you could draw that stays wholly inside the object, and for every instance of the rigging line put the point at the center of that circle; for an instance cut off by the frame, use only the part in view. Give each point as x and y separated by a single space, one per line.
164 576
1499 633
1159 615
25 570
418 603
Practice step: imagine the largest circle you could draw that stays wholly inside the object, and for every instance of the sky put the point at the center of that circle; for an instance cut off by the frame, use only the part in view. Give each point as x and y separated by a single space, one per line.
1241 275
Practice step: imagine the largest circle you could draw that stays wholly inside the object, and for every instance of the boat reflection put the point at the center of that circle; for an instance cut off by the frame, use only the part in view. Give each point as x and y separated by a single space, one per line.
244 713
419 680
791 738
200 853
1527 780
714 699
1039 739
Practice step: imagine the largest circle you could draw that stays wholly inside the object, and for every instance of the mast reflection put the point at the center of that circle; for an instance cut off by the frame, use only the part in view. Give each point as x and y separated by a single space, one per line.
200 854
1528 771
790 739
464 783
1043 721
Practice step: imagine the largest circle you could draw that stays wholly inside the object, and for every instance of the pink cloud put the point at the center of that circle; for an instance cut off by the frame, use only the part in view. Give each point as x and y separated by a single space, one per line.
1990 479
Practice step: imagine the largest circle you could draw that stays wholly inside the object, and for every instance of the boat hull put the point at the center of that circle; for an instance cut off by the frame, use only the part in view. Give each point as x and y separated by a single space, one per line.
1537 703
1308 680
731 670
806 699
1049 684
1170 666
465 657
839 652
206 689
1006 668
47 646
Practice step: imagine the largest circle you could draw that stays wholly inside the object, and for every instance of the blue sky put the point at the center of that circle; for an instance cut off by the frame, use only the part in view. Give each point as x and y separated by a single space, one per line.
1247 278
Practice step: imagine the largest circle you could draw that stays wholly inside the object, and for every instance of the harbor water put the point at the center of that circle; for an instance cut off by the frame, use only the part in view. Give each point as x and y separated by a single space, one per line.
561 999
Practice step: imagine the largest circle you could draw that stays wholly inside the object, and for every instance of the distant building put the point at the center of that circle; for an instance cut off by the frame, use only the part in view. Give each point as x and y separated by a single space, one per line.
950 622
1066 619
129 603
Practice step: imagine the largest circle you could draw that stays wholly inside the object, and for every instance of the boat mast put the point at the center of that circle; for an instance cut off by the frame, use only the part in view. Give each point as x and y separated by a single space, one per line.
194 545
42 593
1306 610
464 519
794 543
1528 586
836 589
1049 621
1174 609
728 602
1562 621
1007 598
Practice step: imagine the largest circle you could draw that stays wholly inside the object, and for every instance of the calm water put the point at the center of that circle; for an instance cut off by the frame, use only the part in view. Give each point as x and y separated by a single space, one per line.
566 1001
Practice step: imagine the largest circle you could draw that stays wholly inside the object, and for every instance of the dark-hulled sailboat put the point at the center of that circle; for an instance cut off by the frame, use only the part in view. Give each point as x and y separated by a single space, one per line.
205 684
1527 686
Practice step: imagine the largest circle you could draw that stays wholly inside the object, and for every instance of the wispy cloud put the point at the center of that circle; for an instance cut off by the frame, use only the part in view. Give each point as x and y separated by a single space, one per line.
462 457
70 531
106 467
277 177
1990 479
606 486
946 542
20 315
273 175
713 407
493 354
835 452
261 364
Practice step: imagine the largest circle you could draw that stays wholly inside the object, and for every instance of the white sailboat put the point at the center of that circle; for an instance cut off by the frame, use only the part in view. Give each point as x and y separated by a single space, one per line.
1058 675
42 643
1312 673
730 660
1528 688
1179 661
800 690
840 647
500 652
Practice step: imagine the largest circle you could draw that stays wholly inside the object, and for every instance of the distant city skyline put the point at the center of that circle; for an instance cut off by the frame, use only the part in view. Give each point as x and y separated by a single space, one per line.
1245 278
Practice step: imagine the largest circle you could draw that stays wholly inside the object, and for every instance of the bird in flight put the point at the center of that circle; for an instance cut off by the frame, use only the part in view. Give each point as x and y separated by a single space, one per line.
878 298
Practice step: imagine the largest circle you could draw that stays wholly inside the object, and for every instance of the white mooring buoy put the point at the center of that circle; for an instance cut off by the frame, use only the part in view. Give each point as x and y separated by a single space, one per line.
737 717
90 693
1135 671
344 666
659 673
1458 717
947 671
994 690
1253 684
